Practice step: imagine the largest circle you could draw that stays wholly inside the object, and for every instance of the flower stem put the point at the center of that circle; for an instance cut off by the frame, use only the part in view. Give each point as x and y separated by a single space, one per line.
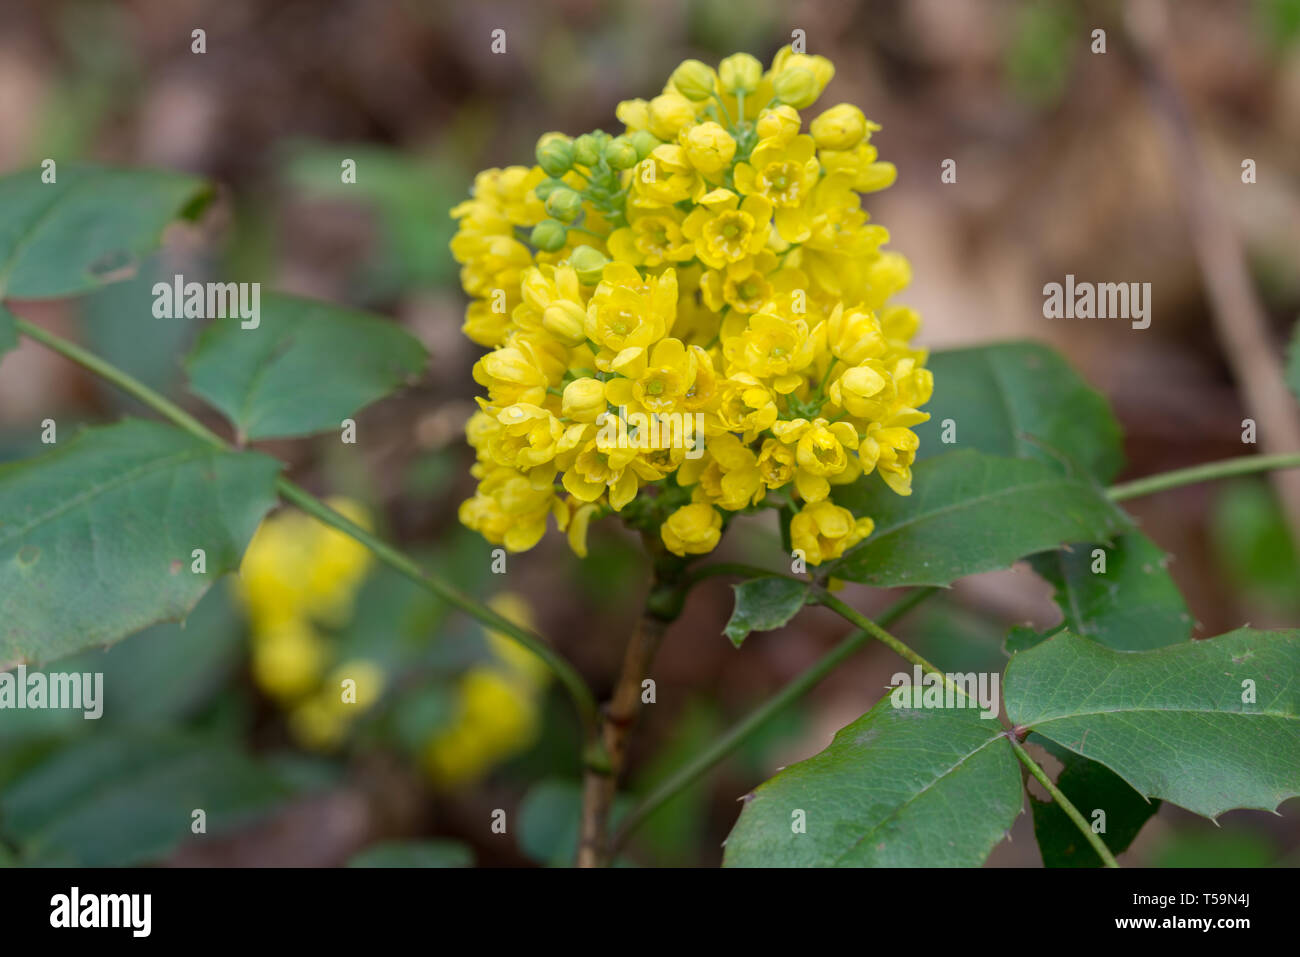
1242 465
699 765
582 697
1064 804
600 781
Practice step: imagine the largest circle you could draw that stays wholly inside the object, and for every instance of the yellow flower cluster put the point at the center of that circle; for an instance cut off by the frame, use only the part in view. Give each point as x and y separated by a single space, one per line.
297 577
498 706
690 319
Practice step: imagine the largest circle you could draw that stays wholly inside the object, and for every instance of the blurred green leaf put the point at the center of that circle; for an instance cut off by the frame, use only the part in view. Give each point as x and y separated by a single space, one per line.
1020 400
96 538
1252 545
88 228
969 513
305 368
1279 21
1041 52
764 604
411 196
1214 848
415 854
113 799
550 817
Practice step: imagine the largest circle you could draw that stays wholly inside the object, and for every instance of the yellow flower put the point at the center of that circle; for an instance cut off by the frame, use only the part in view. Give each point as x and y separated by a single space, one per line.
891 452
578 525
628 312
508 510
821 452
602 466
779 124
722 276
364 685
726 231
669 114
773 346
740 73
818 68
709 147
496 718
776 464
854 335
783 173
729 477
692 530
661 384
584 400
514 657
652 237
746 405
824 531
288 659
665 178
841 127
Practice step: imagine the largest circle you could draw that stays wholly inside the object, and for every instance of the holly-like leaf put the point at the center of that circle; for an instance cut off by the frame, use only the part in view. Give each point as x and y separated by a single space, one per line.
764 604
1209 725
1019 400
415 854
93 225
899 787
969 513
97 539
1091 788
1130 604
113 800
305 367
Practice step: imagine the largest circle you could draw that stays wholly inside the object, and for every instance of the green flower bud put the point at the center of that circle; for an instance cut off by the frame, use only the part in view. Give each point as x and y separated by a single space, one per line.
589 264
740 73
555 154
547 186
644 141
620 153
796 86
549 235
586 149
693 80
564 204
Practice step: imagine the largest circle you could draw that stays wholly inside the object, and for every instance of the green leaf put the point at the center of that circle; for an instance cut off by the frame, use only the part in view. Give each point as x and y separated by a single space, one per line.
96 538
115 800
763 604
969 513
8 331
90 227
1171 722
550 820
1133 605
305 368
1293 362
1091 787
415 854
899 787
1020 400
